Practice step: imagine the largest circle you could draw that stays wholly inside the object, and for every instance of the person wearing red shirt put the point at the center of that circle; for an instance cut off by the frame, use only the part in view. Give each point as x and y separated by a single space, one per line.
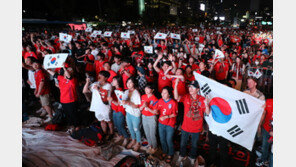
221 70
266 128
149 119
195 106
191 61
30 53
107 67
181 82
99 64
68 94
126 70
168 110
42 88
88 59
163 81
238 70
151 75
107 52
189 77
118 112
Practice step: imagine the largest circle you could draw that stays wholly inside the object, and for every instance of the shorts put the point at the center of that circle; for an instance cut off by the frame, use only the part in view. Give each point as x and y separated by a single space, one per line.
45 100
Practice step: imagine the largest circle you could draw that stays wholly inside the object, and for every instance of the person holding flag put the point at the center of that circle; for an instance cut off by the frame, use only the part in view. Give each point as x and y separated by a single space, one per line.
195 106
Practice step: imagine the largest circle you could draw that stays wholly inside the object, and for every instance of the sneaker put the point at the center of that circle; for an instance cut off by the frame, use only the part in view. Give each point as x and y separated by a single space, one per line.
180 159
124 142
260 163
43 113
47 120
192 161
40 110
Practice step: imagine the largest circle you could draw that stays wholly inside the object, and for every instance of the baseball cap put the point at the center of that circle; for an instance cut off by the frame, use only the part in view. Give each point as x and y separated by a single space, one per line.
194 83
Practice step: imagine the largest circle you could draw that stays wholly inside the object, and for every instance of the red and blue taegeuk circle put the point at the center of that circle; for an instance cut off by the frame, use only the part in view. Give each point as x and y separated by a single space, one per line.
221 110
53 60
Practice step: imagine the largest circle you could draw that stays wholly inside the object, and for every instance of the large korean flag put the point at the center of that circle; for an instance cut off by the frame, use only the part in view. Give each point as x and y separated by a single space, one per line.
175 36
234 115
65 37
54 60
125 35
160 36
107 33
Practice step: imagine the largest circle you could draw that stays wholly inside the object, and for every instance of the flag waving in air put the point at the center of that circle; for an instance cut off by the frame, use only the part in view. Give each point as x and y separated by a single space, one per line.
54 60
160 36
234 115
65 37
175 36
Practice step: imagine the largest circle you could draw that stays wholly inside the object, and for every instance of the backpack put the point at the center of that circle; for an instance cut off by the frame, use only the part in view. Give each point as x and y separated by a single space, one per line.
59 117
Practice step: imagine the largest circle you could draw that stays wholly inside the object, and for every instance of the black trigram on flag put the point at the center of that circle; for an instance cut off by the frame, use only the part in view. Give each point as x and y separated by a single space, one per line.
206 89
242 106
234 131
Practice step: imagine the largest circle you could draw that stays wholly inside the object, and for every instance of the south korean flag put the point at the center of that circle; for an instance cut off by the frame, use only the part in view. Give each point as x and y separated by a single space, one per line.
175 36
96 33
88 29
160 36
234 115
54 60
65 37
125 35
148 49
107 33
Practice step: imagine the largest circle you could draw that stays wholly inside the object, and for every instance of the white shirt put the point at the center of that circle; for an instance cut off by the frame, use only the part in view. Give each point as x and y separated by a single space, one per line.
31 78
96 101
115 67
136 99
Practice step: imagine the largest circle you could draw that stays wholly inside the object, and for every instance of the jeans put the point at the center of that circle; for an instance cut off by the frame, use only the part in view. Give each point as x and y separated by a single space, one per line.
271 159
265 145
133 124
166 134
194 139
150 125
118 119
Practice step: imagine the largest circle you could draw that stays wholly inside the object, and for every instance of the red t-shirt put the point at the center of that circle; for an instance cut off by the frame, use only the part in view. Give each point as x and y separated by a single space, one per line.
39 76
167 108
189 125
189 79
268 117
130 69
68 92
163 81
89 67
99 66
201 39
117 108
30 54
151 101
221 71
181 86
112 75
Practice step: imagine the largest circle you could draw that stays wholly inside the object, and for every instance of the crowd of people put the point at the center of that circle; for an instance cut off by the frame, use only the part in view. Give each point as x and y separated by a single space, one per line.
162 95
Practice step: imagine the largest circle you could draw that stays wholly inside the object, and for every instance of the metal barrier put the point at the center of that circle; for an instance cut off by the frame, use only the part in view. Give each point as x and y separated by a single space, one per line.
265 82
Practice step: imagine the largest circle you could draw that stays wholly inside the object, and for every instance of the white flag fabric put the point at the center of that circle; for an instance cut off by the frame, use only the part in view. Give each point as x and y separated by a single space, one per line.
219 54
131 31
119 94
125 35
54 60
148 49
194 30
96 33
107 33
234 115
200 47
250 73
175 36
88 29
65 37
160 36
98 105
